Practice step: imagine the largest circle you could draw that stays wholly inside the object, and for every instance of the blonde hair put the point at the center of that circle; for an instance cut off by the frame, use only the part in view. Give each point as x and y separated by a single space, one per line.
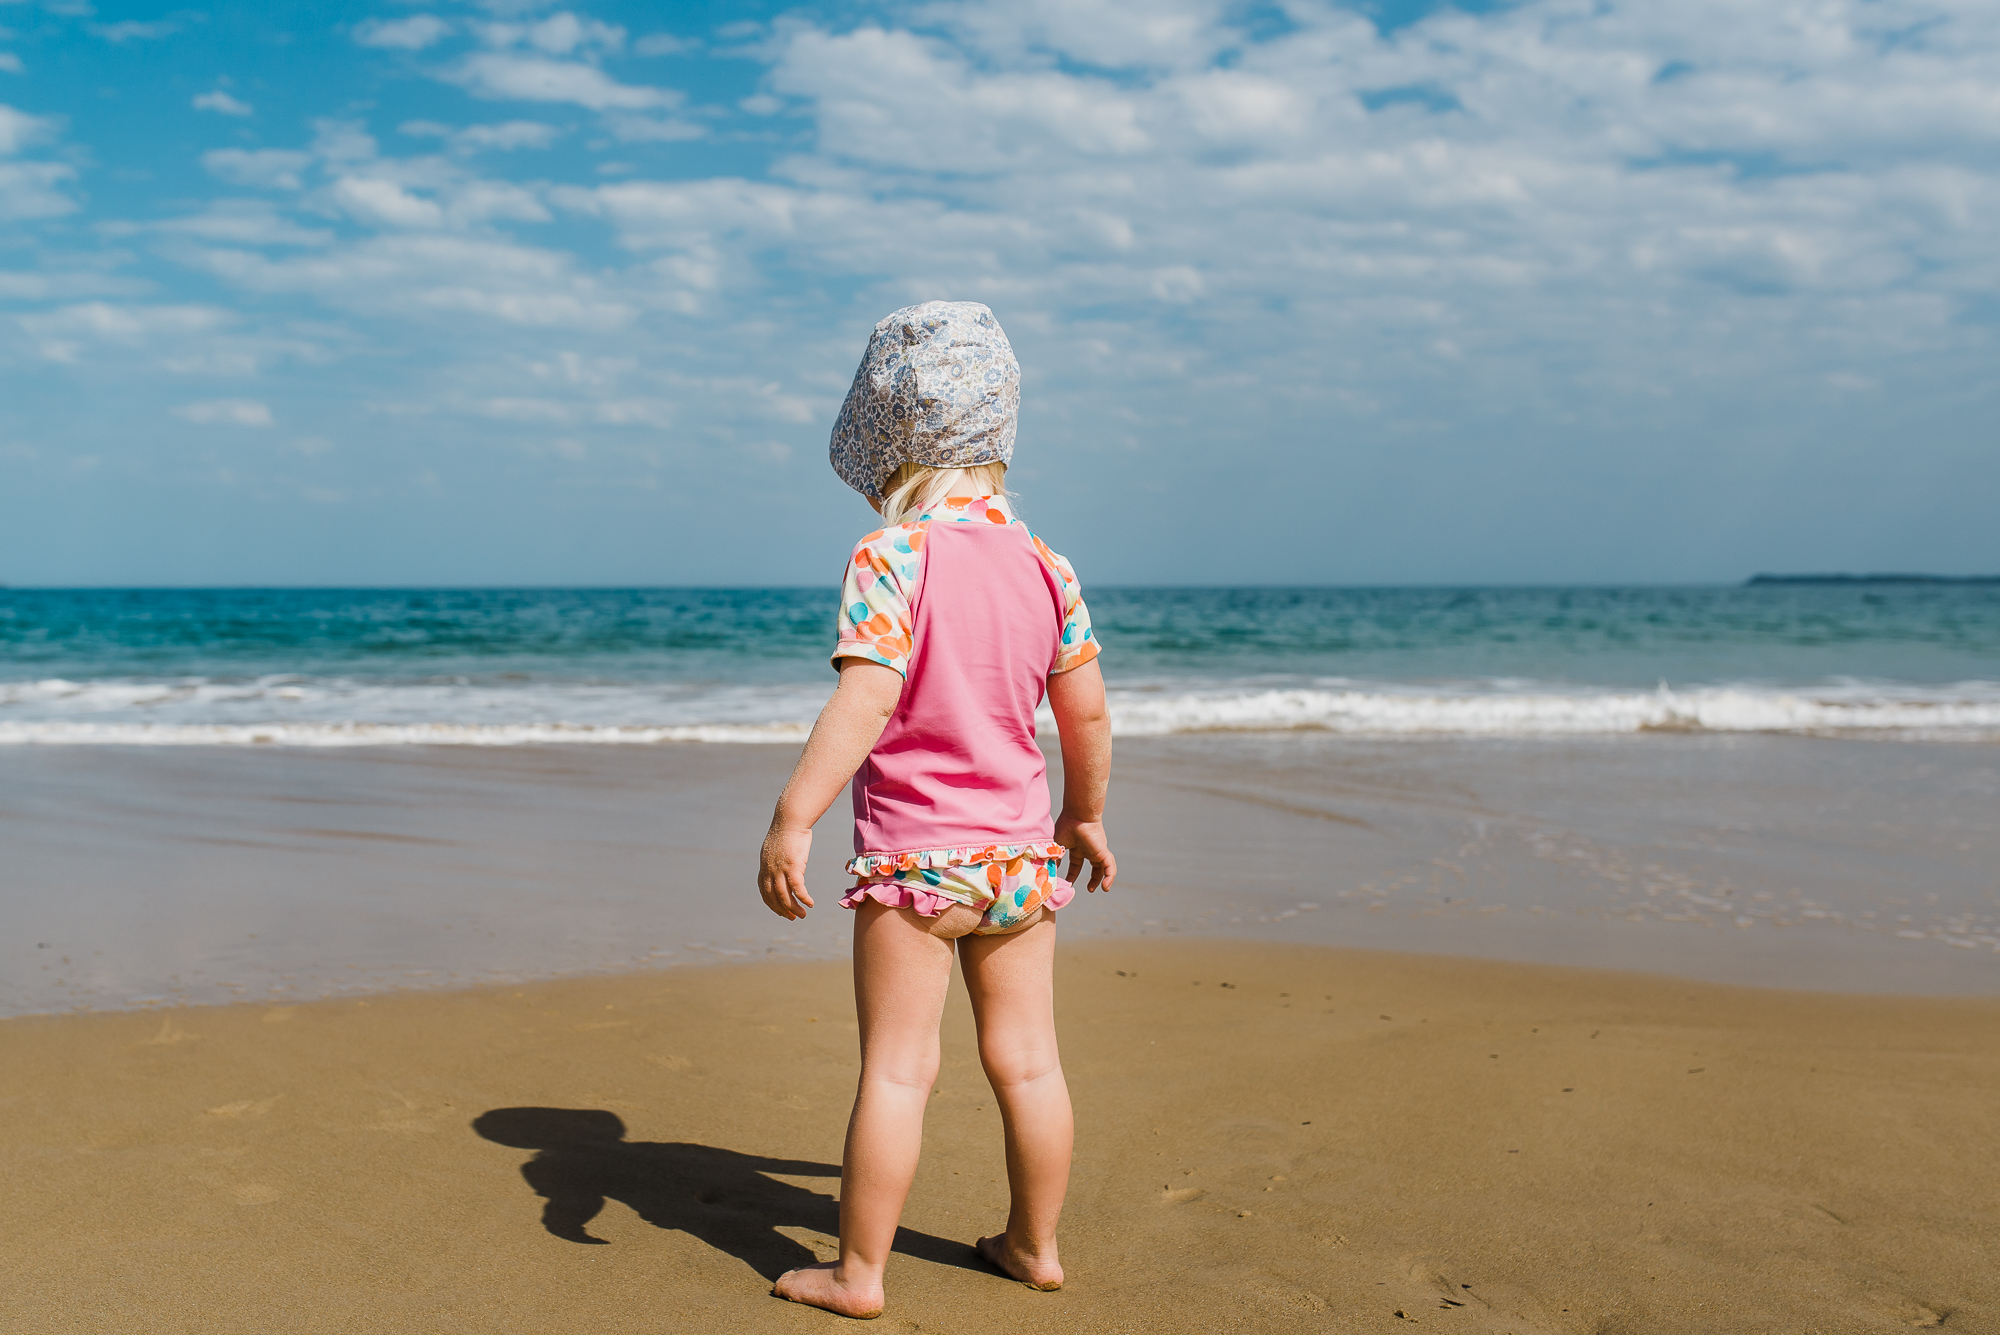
915 488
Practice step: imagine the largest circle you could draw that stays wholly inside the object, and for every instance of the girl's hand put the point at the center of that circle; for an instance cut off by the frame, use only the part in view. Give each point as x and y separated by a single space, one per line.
1086 841
841 739
781 871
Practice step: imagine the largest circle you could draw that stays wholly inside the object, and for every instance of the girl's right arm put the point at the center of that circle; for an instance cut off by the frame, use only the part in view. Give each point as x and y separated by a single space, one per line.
846 731
1076 697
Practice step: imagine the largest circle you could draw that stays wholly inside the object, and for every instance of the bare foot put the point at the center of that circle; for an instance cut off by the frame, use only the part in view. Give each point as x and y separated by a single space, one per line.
1037 1272
819 1286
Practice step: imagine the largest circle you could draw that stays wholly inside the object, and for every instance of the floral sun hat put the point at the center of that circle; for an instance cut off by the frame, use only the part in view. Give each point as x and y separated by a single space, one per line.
938 385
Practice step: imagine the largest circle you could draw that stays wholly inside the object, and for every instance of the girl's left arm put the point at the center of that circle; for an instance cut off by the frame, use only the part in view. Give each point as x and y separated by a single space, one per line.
841 739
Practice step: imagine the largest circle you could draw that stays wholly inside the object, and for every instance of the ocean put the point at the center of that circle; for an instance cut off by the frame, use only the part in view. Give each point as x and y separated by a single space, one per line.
347 667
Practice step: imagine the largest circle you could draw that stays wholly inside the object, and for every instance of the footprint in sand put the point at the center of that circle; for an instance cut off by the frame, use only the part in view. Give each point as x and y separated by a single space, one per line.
246 1107
409 1117
169 1035
1182 1196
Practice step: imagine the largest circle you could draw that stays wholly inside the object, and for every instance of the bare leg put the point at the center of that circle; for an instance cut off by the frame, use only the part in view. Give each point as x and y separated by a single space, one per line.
900 974
1012 981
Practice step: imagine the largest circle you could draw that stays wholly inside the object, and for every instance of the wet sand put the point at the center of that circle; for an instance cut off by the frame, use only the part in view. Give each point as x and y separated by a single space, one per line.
137 876
1271 1138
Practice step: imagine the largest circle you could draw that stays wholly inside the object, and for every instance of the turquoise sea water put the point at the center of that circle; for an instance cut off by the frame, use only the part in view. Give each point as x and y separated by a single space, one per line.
498 665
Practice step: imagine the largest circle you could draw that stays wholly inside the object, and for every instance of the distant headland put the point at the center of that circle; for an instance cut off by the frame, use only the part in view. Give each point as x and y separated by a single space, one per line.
1873 579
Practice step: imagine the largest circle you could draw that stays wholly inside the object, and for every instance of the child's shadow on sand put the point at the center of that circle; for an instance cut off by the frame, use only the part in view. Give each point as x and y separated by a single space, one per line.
582 1159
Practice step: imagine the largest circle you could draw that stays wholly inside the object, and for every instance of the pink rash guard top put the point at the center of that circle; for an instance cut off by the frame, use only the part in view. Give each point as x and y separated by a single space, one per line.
976 613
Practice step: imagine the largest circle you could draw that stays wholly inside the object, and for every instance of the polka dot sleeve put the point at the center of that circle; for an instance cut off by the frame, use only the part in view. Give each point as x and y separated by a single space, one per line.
875 596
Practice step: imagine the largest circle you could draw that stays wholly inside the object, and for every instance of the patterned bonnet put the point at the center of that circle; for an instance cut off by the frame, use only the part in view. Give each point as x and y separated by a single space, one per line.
938 385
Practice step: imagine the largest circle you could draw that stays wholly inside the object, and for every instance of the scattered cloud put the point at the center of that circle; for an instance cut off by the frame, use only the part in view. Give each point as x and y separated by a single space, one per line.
64 333
222 103
270 168
664 44
342 141
1606 230
503 136
654 129
410 34
19 130
247 222
226 412
33 190
559 35
431 199
66 285
504 76
385 203
439 278
97 319
132 30
10 62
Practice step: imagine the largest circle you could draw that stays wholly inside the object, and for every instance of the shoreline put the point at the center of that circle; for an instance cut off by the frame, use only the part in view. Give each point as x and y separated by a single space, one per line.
738 959
1271 1137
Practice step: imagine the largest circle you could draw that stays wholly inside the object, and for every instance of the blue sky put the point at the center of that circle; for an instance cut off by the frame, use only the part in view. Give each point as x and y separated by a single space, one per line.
1303 293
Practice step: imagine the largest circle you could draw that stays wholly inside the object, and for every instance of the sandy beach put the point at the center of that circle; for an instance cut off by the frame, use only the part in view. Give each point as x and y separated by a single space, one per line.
1271 1138
1330 1062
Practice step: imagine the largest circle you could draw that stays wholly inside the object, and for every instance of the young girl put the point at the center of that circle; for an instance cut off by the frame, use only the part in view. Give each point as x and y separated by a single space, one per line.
955 620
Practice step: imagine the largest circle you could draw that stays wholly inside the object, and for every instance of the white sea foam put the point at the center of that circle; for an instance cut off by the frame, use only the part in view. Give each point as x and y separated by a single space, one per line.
1971 710
301 711
387 734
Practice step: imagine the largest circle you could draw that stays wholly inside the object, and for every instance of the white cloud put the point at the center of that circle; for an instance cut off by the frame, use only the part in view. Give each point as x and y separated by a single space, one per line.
226 412
10 62
380 199
410 34
64 333
507 77
1116 34
245 222
504 136
222 103
439 277
132 30
559 34
66 284
894 97
274 168
385 203
126 324
342 141
31 190
507 135
652 129
19 130
663 44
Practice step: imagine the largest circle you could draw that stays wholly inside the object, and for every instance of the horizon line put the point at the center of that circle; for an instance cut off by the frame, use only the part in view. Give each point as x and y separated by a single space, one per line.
1761 579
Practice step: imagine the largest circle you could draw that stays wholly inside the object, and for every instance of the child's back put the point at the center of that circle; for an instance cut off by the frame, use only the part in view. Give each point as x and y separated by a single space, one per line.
977 614
955 623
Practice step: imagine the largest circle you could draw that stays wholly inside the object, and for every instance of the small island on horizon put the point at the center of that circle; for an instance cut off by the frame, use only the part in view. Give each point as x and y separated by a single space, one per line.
1873 579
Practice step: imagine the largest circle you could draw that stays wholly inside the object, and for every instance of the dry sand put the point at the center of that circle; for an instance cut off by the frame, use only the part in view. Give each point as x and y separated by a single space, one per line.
1270 1139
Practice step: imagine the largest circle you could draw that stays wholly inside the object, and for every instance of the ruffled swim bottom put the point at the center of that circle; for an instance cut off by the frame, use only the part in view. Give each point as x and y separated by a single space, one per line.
1004 883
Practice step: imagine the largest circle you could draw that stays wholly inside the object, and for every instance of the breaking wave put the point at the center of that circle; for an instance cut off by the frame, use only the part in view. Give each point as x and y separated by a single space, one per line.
335 712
